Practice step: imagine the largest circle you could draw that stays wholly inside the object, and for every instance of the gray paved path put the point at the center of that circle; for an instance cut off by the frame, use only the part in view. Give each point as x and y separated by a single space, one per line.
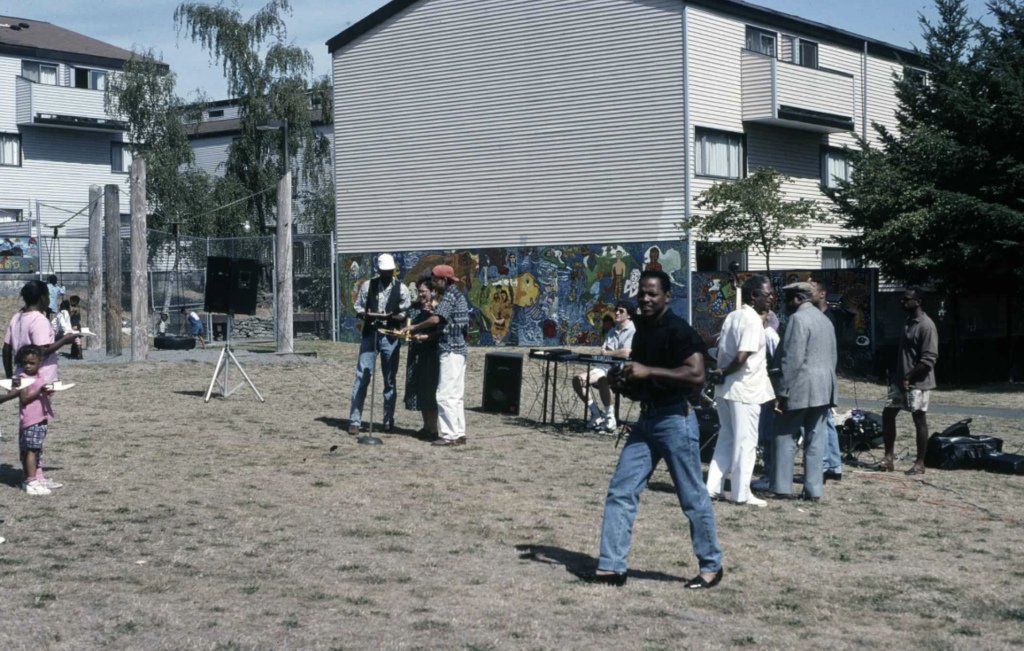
958 410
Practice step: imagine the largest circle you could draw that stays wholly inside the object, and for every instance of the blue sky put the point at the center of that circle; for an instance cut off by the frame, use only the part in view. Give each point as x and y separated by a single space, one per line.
150 23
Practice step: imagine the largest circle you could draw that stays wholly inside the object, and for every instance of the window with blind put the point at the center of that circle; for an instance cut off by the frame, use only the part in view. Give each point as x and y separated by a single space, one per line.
120 157
10 149
719 154
837 258
8 215
835 167
761 41
41 73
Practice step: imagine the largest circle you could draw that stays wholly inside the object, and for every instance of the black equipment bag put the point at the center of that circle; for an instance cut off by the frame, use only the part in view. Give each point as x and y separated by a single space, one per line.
1008 464
858 434
956 449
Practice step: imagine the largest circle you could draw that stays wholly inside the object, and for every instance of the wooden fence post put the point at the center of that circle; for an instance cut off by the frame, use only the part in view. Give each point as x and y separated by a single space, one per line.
112 266
94 317
284 265
140 254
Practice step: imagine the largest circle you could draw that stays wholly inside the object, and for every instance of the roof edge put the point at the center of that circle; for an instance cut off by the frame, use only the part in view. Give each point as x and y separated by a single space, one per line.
738 8
71 57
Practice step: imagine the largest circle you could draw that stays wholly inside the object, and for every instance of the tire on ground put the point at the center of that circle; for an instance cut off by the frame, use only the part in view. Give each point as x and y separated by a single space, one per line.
174 342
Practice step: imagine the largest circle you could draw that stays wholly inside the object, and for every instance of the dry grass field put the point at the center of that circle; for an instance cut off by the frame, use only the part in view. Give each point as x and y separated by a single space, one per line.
237 525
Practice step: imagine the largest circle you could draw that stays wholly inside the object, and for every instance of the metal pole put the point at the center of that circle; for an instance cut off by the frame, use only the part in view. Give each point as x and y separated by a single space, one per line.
273 282
39 240
334 292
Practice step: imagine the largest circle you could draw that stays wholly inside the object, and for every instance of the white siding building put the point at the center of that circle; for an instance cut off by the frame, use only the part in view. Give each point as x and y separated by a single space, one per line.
56 140
510 123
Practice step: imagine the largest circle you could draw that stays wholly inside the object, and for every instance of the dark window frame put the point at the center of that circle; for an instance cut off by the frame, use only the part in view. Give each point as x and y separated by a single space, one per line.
216 113
697 131
857 263
761 31
817 53
825 151
120 147
21 150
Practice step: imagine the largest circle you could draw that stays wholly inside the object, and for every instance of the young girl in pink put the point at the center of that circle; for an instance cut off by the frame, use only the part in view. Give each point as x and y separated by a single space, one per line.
36 414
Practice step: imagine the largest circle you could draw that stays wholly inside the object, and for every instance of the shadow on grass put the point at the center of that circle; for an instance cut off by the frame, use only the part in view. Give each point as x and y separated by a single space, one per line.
197 394
10 476
378 428
582 565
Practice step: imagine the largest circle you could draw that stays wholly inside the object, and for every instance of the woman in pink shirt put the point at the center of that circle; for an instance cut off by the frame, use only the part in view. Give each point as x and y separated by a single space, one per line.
30 326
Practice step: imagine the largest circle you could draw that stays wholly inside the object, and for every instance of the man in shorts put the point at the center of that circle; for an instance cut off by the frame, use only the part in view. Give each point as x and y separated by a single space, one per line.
910 387
617 343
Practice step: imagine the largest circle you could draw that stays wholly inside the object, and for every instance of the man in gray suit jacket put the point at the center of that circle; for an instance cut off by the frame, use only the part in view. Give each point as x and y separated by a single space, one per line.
806 388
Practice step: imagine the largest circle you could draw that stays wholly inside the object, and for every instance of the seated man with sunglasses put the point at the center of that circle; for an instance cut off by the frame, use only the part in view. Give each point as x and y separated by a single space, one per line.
617 343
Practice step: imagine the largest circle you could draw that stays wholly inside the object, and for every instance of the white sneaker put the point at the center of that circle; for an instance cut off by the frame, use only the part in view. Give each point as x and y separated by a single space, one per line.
35 488
52 484
753 501
608 424
763 484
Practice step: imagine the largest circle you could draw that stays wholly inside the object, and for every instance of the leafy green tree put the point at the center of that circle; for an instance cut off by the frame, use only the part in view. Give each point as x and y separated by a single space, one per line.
941 202
271 79
143 97
754 213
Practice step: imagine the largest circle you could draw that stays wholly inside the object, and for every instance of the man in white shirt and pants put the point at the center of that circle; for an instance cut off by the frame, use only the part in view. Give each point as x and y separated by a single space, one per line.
744 386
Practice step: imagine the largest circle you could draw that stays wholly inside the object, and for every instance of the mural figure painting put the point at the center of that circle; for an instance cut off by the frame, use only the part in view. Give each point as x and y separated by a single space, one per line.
532 296
19 254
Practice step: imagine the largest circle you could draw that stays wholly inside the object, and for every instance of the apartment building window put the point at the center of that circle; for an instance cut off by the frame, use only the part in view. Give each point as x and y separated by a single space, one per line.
10 149
120 157
719 154
808 52
41 73
761 41
835 167
94 79
216 114
8 215
837 258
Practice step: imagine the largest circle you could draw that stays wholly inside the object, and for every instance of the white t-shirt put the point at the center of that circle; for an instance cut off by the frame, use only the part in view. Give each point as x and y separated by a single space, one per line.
743 331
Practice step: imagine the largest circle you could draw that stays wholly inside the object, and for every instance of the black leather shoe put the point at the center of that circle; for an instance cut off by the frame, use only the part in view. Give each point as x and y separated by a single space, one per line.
698 582
616 580
833 476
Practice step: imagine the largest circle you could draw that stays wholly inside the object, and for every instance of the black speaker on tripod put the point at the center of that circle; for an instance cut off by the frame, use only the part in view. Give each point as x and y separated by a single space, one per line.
503 376
231 285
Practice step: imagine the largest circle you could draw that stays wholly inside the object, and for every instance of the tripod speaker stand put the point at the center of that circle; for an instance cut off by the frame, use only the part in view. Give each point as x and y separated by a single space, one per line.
224 362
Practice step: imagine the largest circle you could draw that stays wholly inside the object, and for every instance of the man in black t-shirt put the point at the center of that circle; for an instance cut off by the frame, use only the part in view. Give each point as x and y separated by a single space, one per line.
667 363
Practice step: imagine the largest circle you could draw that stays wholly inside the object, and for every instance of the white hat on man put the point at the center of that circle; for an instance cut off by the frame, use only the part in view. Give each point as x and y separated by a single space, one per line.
385 262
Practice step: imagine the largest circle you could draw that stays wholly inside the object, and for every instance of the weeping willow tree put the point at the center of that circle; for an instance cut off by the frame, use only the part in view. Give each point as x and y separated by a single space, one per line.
271 80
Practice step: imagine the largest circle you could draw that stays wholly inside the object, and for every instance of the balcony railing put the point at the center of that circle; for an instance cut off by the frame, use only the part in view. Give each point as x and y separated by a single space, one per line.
785 94
62 106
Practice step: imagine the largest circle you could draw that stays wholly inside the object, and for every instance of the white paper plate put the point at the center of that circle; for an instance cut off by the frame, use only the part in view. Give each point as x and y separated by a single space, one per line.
88 332
25 382
62 386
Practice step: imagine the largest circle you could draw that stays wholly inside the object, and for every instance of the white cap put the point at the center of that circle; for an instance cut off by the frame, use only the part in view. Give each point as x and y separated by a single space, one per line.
385 262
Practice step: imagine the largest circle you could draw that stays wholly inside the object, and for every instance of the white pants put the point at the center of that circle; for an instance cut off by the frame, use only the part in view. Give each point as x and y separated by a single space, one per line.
736 450
451 387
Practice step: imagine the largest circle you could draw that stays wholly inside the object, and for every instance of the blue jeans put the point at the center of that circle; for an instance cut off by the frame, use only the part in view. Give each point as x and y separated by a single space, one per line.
833 457
390 352
672 437
788 428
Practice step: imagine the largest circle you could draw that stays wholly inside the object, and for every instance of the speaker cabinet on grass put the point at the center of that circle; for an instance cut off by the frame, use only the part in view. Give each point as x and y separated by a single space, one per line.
231 285
503 379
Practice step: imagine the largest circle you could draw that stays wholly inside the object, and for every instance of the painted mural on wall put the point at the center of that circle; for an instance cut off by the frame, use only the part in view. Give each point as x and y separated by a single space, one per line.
715 296
532 296
19 254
